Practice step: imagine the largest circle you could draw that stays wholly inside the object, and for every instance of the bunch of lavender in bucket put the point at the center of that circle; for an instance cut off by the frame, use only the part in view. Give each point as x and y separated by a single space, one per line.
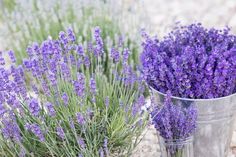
197 65
70 107
176 126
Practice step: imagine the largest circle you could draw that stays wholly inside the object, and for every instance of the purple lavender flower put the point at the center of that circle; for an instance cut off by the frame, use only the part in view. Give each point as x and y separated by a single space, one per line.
35 89
65 71
36 130
121 104
10 129
141 101
101 153
80 118
52 78
65 60
22 152
90 47
105 145
81 142
135 109
79 85
86 61
63 38
191 61
80 50
79 63
72 60
60 132
71 35
36 68
115 55
2 60
2 110
27 64
45 87
34 107
72 124
52 66
137 106
50 108
92 86
12 56
27 126
65 98
30 52
36 48
90 113
99 42
126 53
129 77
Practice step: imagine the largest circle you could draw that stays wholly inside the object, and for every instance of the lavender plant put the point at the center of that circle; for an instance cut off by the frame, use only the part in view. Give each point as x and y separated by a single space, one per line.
29 21
192 62
176 124
70 107
8 5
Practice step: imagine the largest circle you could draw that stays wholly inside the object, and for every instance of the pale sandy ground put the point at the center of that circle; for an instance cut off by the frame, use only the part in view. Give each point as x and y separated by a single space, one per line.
158 16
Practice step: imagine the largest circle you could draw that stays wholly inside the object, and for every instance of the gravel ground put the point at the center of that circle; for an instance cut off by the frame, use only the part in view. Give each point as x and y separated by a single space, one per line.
149 146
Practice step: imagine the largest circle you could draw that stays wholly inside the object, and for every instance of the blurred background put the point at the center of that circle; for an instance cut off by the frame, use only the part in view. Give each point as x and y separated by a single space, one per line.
156 16
25 21
211 13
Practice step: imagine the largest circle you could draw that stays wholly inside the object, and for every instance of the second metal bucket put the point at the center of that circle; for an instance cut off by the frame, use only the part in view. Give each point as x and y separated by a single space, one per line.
214 125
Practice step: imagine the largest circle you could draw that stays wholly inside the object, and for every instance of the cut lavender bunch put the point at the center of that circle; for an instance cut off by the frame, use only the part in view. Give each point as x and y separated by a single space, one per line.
69 106
197 65
174 121
191 62
175 125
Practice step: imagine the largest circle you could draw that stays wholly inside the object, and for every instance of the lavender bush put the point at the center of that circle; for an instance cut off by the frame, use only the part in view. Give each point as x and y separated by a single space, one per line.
28 21
192 62
69 107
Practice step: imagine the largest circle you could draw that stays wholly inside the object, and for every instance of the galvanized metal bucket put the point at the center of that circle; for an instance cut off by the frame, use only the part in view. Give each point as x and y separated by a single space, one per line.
214 125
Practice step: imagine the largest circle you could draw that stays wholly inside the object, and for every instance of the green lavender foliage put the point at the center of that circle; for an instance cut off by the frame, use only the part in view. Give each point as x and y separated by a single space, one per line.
117 122
36 20
8 5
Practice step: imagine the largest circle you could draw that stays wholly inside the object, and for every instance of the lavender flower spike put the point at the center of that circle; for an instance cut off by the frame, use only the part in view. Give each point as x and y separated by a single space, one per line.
35 128
65 99
12 56
92 86
60 132
80 118
34 107
51 110
99 42
71 35
79 85
115 55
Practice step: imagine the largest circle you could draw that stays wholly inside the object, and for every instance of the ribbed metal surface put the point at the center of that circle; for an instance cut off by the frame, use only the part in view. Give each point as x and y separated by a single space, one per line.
215 123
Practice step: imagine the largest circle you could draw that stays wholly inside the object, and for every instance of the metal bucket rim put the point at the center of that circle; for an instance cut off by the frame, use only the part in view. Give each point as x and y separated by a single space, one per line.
189 99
